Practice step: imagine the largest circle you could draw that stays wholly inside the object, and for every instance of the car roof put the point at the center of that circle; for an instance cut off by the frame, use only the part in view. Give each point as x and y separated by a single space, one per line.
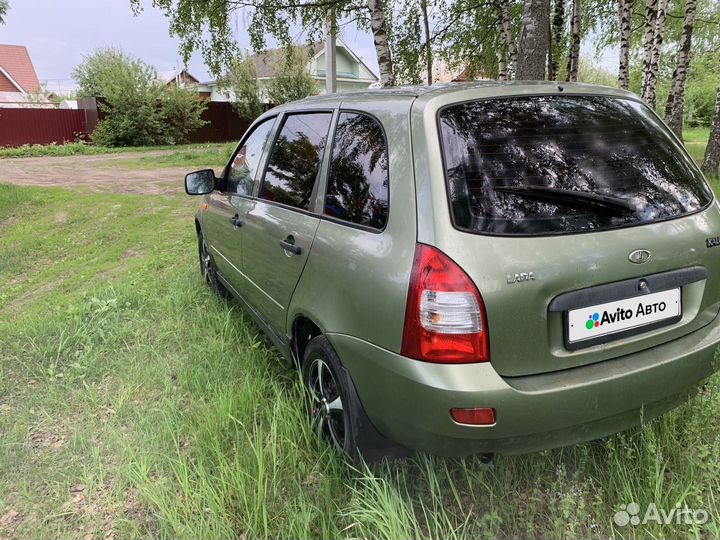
427 100
479 89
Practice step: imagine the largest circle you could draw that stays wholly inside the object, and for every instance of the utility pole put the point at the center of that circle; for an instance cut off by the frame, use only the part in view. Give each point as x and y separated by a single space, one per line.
330 58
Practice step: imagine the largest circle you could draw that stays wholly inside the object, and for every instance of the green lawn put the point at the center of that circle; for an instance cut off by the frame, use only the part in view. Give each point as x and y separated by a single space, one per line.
134 403
696 140
215 155
74 149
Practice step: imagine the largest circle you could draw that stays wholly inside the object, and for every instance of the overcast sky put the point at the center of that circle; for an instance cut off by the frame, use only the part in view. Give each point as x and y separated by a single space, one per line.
59 32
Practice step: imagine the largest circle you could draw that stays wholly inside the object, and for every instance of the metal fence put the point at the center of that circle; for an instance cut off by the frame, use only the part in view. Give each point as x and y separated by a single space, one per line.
47 126
40 126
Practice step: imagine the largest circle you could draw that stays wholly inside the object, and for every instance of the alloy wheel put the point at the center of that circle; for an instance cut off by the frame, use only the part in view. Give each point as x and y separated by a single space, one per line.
206 263
327 416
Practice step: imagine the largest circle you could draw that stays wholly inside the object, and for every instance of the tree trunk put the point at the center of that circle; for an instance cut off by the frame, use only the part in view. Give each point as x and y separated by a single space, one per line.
502 67
652 55
509 40
651 7
534 40
712 152
428 48
558 25
574 55
655 56
625 14
378 25
676 99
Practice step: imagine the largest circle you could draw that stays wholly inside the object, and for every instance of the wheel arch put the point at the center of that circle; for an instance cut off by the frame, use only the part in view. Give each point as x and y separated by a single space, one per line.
304 328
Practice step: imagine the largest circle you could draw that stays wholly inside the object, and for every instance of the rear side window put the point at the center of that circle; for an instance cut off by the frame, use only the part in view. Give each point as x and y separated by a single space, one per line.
358 180
562 164
295 159
244 165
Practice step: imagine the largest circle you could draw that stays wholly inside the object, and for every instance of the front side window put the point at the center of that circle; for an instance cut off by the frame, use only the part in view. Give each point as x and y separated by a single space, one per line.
295 159
244 165
562 164
358 180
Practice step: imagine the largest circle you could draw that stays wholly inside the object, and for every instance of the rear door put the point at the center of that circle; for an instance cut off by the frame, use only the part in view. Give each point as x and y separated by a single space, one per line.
280 224
582 221
223 220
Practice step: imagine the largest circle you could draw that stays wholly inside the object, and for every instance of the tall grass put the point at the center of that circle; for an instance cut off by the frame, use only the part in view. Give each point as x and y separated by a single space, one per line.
85 149
120 371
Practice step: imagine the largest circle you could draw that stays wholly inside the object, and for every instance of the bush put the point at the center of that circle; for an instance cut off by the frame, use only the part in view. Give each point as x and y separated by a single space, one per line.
292 81
182 113
140 110
240 83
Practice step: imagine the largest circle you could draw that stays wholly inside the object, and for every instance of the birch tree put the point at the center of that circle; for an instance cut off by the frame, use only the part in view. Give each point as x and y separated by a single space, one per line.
378 26
675 105
428 46
508 60
208 26
651 9
558 27
711 162
625 20
654 31
534 40
574 54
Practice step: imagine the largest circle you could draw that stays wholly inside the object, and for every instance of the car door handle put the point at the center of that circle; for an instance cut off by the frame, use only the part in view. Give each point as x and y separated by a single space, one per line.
236 222
289 245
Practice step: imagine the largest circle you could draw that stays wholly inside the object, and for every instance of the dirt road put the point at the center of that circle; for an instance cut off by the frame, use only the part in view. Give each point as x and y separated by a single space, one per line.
93 173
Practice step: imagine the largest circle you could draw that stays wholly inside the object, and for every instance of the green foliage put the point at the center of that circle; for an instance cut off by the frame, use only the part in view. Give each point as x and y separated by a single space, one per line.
592 73
209 25
702 87
292 81
97 71
407 41
463 33
240 82
140 109
470 40
182 113
4 7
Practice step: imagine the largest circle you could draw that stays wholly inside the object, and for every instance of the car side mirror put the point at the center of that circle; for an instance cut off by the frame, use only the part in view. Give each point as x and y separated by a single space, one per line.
200 182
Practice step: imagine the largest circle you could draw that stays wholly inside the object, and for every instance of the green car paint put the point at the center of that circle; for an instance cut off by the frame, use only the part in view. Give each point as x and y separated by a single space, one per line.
352 283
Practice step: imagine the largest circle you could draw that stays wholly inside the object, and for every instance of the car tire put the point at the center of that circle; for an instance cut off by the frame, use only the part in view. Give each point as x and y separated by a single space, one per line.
208 269
334 409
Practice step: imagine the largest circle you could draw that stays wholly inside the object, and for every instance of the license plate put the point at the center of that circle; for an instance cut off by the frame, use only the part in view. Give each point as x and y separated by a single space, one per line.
623 315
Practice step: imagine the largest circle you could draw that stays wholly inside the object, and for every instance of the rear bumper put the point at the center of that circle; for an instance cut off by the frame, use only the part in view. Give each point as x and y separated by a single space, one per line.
409 401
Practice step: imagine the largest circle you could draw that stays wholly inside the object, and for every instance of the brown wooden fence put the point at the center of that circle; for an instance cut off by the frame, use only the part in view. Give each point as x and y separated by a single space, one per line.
46 126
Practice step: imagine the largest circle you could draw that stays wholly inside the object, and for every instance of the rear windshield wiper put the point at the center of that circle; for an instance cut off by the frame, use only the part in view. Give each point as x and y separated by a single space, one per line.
570 197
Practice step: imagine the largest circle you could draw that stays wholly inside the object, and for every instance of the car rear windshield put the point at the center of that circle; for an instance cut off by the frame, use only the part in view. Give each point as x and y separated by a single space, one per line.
561 164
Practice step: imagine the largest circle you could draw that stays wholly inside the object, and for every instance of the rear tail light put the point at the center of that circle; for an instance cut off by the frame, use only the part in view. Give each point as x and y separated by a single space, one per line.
445 315
481 416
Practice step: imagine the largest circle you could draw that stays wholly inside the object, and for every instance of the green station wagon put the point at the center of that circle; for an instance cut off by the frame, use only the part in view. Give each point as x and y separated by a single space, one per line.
471 268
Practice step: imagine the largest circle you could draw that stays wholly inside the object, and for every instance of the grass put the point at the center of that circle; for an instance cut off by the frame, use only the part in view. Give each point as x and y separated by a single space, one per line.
134 403
695 140
216 155
74 149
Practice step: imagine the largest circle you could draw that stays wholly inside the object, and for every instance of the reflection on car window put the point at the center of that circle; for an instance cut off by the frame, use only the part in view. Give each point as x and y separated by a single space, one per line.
295 159
501 154
358 181
245 164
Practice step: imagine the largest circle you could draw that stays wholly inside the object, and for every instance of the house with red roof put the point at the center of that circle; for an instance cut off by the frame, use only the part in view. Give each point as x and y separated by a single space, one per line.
19 85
